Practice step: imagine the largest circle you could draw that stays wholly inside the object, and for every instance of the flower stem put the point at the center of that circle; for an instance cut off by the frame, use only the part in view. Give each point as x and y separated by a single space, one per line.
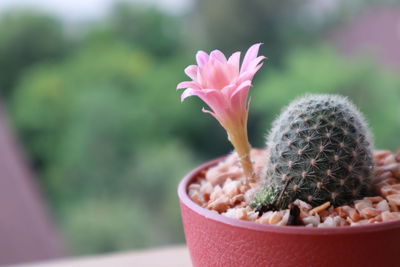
240 142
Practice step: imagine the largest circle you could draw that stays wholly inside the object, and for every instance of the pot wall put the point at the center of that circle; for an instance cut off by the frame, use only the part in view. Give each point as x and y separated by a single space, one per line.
215 240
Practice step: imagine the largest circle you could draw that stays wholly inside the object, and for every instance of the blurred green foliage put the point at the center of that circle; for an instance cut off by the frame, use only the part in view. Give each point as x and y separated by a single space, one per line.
25 39
280 25
373 89
110 140
246 22
98 129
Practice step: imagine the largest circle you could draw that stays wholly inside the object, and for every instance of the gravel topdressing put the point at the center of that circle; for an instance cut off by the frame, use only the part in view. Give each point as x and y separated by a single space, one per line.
223 189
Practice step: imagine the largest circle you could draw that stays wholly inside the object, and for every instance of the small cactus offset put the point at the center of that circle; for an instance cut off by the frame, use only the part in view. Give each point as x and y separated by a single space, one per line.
320 150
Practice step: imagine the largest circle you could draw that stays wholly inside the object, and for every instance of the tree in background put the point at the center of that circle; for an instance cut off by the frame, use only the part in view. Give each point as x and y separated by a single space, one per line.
144 28
101 126
319 69
25 39
232 25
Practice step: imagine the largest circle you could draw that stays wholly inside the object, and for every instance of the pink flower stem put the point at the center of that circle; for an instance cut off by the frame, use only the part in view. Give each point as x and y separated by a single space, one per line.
239 139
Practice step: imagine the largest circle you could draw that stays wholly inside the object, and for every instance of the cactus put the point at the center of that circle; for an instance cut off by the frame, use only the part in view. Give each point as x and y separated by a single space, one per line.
320 150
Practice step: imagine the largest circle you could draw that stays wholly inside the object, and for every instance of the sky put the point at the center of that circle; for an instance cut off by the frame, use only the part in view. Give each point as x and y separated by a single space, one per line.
87 10
84 10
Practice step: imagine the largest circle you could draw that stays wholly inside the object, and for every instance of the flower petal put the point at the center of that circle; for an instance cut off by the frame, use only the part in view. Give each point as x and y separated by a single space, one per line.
209 112
253 64
201 58
188 92
190 84
215 75
191 71
249 74
216 100
250 55
228 90
238 99
234 60
218 55
241 87
213 98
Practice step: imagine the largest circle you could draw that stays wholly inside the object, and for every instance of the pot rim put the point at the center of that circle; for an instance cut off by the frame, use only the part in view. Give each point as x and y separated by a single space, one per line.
301 230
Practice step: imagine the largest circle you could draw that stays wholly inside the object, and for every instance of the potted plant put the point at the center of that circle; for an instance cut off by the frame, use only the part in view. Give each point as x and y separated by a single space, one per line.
317 196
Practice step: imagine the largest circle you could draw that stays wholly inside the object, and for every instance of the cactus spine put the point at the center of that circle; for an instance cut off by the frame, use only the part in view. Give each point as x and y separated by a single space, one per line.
320 150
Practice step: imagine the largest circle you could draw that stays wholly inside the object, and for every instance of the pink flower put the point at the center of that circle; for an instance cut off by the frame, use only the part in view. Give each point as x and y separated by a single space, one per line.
223 84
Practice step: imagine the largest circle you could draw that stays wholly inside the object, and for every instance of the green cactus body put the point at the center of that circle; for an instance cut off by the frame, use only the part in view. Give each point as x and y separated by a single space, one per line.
320 150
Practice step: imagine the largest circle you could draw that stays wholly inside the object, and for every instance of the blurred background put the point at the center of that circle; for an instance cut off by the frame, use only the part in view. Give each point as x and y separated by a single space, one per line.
88 89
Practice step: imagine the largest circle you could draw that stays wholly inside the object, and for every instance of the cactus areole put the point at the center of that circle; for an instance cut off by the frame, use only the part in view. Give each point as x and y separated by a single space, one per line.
320 150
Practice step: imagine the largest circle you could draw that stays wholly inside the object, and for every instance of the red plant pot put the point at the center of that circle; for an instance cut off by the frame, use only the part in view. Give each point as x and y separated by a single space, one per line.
215 240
